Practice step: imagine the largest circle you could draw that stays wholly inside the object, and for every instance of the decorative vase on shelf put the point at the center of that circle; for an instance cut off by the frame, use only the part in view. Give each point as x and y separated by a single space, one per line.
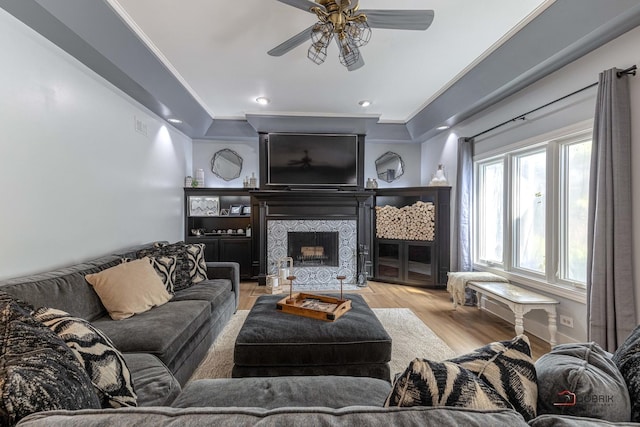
439 178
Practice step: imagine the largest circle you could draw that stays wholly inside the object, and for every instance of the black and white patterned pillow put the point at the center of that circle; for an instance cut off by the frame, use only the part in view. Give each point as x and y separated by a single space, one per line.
427 383
197 264
178 250
627 359
504 369
104 364
166 267
38 372
507 366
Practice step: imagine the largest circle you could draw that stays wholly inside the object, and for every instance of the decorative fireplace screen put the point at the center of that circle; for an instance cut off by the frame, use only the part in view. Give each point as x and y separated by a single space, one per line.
314 248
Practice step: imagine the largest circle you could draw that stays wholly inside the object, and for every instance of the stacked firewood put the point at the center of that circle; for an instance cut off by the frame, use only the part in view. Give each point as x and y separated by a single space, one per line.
415 222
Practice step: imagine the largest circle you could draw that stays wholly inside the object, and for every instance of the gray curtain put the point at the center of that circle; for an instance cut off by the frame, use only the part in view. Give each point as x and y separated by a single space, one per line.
464 191
610 287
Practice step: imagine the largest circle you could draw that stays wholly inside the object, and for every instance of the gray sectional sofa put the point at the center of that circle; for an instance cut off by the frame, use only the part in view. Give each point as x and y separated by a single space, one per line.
163 346
178 333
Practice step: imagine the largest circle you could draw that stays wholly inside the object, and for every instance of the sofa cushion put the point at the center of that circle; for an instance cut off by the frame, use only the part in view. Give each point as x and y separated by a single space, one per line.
166 329
38 372
215 291
281 417
581 379
627 359
104 364
277 392
500 374
152 380
129 288
179 250
65 289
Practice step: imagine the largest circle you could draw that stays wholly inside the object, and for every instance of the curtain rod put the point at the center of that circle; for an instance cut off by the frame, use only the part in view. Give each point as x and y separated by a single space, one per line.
629 71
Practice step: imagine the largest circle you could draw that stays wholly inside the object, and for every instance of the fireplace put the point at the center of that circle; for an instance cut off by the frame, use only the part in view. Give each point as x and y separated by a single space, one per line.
313 248
330 248
345 216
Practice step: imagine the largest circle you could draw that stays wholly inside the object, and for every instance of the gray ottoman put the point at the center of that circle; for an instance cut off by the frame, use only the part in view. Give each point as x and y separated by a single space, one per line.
272 343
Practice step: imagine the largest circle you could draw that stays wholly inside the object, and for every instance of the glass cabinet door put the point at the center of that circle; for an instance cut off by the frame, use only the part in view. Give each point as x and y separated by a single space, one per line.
389 260
419 263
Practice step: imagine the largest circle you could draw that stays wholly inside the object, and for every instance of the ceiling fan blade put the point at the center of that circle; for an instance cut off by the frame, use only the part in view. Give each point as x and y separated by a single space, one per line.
399 19
358 64
305 5
291 43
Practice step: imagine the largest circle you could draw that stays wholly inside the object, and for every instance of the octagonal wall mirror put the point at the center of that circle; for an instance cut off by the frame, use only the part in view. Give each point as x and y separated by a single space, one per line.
226 164
389 166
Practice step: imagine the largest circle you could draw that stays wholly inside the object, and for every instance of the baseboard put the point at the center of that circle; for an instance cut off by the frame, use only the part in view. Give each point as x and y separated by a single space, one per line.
533 327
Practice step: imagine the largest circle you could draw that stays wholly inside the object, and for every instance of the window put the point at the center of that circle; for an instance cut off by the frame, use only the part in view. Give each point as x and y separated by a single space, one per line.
530 211
576 159
490 215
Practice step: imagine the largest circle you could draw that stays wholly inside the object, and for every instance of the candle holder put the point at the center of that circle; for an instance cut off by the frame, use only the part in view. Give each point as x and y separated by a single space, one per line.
290 300
341 278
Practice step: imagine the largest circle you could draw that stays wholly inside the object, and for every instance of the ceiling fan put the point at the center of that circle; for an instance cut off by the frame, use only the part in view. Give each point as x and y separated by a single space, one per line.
350 27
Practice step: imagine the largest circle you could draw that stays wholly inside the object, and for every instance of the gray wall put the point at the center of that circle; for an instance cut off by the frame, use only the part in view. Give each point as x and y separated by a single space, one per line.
76 179
621 53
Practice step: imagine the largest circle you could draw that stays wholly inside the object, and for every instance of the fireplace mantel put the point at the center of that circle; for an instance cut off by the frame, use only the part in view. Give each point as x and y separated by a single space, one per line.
310 204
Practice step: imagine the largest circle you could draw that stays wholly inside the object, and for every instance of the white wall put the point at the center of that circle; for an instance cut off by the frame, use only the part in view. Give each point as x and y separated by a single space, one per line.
76 180
620 53
203 151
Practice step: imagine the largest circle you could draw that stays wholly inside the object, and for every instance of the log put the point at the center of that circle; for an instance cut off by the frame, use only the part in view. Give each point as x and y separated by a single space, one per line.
414 222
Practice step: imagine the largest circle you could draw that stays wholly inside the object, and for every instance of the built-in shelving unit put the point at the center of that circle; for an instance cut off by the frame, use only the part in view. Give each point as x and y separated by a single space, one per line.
414 262
220 218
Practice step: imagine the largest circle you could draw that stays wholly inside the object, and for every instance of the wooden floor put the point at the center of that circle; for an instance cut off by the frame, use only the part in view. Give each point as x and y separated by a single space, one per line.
464 329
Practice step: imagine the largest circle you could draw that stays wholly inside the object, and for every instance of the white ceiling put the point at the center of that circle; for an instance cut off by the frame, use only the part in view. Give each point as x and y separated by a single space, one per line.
218 50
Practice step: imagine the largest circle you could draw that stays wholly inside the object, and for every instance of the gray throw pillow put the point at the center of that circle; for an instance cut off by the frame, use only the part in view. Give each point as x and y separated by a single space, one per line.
581 379
38 372
627 359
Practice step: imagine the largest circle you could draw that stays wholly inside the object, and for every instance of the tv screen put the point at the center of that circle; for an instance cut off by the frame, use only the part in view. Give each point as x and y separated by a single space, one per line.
312 160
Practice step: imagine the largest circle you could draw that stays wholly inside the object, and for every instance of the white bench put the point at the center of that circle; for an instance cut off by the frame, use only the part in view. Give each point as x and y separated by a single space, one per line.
520 301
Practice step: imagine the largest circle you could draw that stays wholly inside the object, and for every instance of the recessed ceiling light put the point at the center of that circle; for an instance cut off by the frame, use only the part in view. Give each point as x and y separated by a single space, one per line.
262 100
443 127
175 121
364 103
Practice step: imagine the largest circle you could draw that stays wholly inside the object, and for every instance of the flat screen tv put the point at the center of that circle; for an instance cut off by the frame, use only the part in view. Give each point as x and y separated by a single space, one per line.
312 160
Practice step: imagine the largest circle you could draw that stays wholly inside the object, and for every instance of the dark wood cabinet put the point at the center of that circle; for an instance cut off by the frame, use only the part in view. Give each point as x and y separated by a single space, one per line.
220 218
406 261
415 262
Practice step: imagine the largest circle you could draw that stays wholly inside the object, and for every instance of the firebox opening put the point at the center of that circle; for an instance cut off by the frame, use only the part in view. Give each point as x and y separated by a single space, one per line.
316 248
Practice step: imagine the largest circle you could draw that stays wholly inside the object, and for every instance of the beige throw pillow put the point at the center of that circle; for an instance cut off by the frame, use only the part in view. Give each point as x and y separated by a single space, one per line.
129 288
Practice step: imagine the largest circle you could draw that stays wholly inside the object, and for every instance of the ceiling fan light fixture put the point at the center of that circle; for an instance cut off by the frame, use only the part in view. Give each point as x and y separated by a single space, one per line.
263 100
349 53
317 53
359 32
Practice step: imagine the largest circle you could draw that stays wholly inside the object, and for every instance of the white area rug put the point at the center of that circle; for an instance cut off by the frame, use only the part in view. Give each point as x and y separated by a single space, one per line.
410 339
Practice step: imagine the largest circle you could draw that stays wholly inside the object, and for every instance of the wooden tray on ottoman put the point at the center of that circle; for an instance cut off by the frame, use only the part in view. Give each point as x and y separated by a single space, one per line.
315 306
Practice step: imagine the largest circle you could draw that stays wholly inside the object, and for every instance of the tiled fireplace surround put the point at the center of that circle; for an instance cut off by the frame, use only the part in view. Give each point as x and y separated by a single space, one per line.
347 212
